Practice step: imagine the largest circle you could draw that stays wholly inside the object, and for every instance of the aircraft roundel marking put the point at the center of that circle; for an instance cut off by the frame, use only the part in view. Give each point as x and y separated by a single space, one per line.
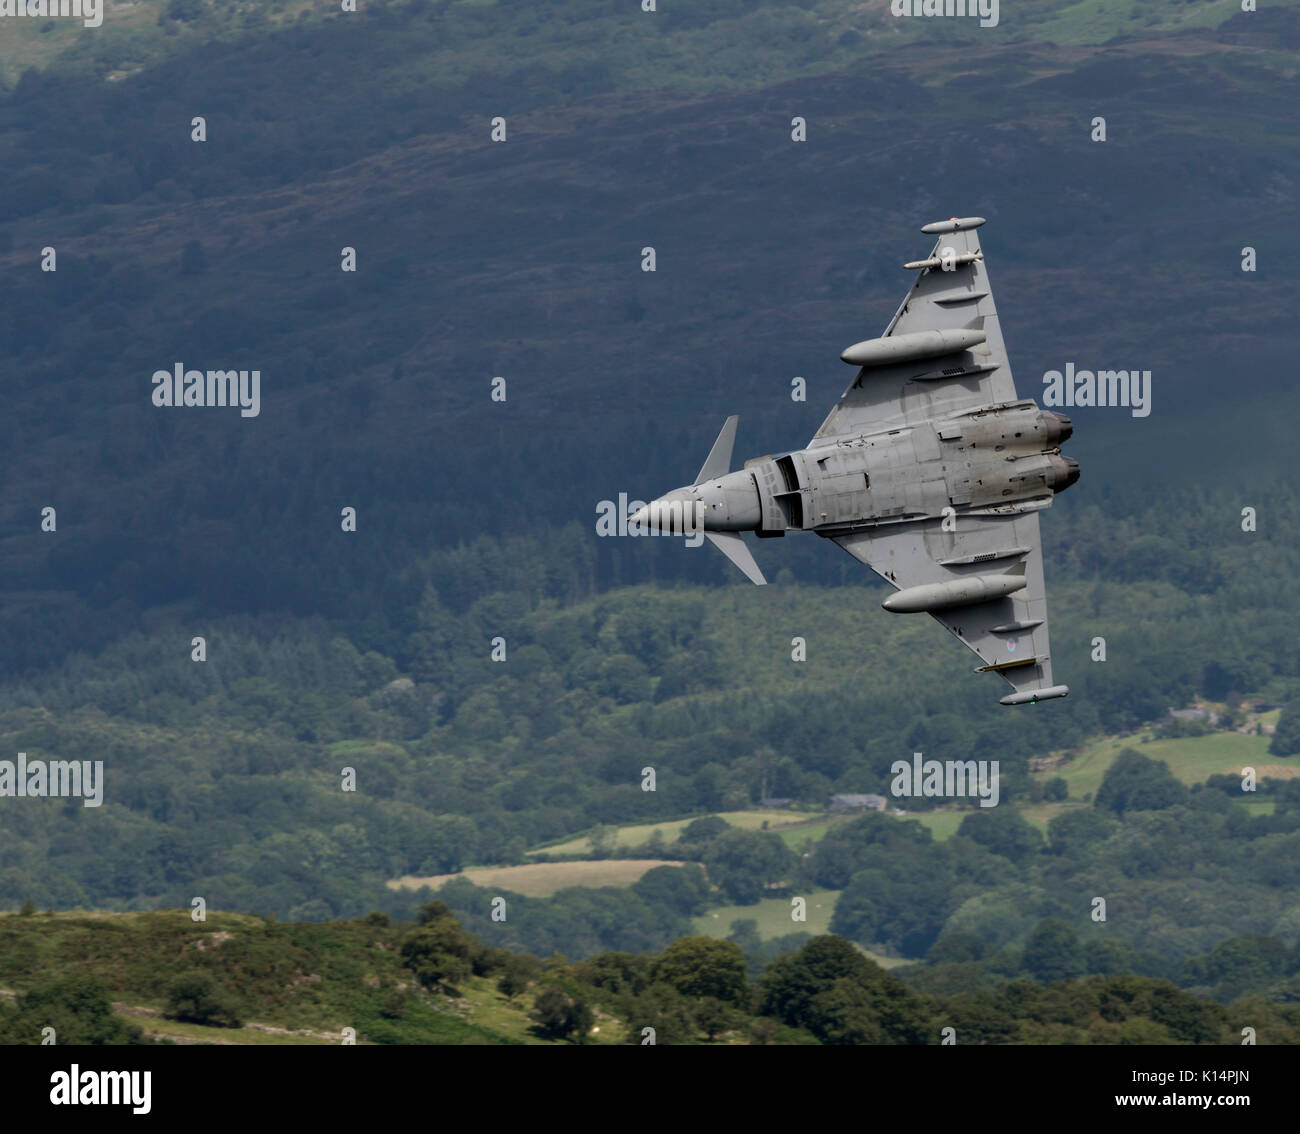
1011 645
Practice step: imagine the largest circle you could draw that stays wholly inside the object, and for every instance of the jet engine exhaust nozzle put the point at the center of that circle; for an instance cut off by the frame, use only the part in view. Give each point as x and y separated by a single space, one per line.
1064 472
1058 426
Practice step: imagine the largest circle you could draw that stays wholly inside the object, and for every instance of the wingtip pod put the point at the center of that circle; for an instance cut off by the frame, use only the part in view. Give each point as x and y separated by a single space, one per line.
1031 696
956 224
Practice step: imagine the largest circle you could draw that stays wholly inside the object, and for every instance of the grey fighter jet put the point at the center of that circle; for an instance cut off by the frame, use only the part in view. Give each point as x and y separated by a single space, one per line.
929 470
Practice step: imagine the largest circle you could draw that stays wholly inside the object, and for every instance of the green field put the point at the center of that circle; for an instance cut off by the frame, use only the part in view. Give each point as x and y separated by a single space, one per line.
795 828
1191 759
943 824
796 835
1259 806
772 915
639 834
1041 814
773 918
542 879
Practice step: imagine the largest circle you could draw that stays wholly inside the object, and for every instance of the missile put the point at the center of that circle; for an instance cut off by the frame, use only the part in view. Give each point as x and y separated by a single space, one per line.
951 262
955 592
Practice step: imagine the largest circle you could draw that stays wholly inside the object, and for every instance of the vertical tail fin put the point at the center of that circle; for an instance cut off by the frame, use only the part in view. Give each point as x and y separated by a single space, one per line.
718 462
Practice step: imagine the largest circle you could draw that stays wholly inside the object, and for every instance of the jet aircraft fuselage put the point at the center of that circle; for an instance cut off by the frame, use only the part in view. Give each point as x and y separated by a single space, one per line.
998 456
930 470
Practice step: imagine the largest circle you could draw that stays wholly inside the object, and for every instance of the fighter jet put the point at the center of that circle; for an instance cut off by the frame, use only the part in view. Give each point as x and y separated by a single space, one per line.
929 469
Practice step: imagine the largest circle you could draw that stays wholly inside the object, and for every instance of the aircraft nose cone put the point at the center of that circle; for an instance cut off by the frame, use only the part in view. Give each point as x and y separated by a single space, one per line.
672 514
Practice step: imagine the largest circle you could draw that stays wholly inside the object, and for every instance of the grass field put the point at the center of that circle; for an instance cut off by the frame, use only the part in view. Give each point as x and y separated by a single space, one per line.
542 879
639 834
1259 806
773 918
772 915
481 1002
795 828
1040 814
1191 759
796 835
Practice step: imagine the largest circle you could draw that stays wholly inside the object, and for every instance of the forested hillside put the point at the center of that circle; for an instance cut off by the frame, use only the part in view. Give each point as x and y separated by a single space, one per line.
159 978
224 778
522 260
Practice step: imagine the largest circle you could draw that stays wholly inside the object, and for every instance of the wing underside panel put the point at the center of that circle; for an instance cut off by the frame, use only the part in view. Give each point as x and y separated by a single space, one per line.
892 396
1008 634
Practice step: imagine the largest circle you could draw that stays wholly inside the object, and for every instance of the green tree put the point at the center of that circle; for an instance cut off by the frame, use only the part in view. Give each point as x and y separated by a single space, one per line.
663 1008
1286 737
196 998
439 953
977 1021
833 991
1056 789
846 1013
1135 783
1003 832
704 966
743 863
1241 965
616 972
1072 833
434 911
703 830
1109 955
561 1016
873 840
957 947
79 1010
682 889
1052 951
715 1016
516 975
